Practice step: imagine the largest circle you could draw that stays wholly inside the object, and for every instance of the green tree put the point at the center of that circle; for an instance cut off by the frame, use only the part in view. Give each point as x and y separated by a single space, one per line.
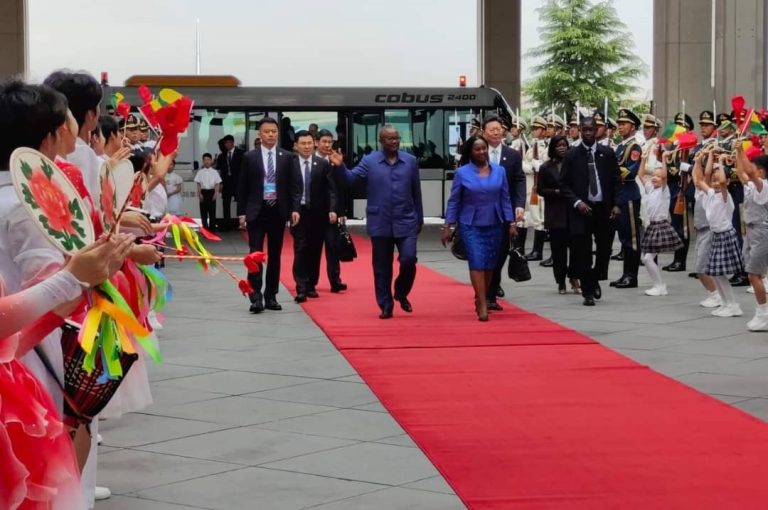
586 56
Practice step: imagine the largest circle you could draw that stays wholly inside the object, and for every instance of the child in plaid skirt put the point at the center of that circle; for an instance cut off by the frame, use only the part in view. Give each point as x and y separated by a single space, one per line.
659 236
752 175
725 256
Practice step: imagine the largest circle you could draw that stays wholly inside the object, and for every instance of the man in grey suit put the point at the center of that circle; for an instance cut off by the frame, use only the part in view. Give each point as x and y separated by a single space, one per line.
394 215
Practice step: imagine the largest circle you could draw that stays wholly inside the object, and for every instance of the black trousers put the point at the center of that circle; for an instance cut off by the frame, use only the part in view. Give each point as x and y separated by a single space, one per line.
226 200
270 224
560 243
630 236
332 263
308 238
599 228
503 254
383 253
208 209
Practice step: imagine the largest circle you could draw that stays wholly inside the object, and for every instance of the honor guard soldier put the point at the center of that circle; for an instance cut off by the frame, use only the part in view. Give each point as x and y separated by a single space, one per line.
736 189
517 135
475 127
130 126
678 181
535 156
610 129
629 153
574 137
601 132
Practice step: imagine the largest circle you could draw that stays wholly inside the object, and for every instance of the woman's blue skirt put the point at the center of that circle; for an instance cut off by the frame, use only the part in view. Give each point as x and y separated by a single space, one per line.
483 245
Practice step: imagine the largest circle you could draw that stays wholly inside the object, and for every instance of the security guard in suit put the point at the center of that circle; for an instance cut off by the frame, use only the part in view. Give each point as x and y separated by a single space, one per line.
629 153
678 181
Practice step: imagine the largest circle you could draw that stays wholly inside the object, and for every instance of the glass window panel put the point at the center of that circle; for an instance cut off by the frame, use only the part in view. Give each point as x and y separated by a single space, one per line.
209 127
365 132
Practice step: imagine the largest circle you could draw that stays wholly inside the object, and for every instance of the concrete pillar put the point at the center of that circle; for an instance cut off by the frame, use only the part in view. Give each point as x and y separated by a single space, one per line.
499 47
13 52
683 48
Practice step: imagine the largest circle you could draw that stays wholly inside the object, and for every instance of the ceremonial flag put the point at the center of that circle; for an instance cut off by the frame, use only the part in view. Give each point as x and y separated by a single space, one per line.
753 126
671 132
687 140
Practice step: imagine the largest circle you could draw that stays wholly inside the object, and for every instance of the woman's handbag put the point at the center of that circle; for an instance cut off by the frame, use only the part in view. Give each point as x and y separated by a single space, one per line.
85 395
458 249
345 247
517 269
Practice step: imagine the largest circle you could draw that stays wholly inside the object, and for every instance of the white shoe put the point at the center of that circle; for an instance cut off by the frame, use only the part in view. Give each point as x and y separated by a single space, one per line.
760 321
657 290
750 290
733 310
713 301
102 493
99 439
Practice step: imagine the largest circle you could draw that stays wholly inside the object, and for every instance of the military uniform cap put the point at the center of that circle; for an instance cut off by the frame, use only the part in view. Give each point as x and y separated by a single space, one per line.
707 117
651 121
519 122
475 123
132 122
723 117
143 125
610 123
684 120
538 122
574 119
599 118
627 115
555 120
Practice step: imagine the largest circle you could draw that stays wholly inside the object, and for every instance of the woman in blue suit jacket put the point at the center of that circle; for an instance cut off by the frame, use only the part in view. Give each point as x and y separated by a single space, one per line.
481 206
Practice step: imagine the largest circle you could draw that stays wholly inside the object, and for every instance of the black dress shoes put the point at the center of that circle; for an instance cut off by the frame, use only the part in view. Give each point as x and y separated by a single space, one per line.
589 301
272 304
300 298
739 280
386 313
547 263
494 306
674 267
405 304
499 292
338 287
257 306
313 294
533 256
615 282
693 275
618 256
626 282
597 292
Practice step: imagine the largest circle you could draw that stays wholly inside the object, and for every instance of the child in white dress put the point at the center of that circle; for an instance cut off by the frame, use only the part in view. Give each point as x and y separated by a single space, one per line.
659 236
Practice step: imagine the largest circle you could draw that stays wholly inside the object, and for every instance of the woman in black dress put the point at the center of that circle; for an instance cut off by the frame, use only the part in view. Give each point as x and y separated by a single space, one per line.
556 212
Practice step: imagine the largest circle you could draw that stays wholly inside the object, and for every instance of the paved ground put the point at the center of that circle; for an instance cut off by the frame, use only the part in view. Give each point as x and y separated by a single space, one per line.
261 412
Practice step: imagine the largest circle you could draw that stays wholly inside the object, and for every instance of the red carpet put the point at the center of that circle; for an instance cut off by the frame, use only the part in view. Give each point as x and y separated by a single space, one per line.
521 412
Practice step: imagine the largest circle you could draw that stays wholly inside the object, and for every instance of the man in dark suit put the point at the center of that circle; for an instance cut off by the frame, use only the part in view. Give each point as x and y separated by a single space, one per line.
591 183
512 161
333 265
228 164
395 215
318 209
269 194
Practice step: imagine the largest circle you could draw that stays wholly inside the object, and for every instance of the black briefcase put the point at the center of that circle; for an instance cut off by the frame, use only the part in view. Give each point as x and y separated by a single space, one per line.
517 269
345 247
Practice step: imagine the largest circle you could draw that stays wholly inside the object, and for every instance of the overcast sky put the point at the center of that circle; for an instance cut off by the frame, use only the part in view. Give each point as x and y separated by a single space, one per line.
282 43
